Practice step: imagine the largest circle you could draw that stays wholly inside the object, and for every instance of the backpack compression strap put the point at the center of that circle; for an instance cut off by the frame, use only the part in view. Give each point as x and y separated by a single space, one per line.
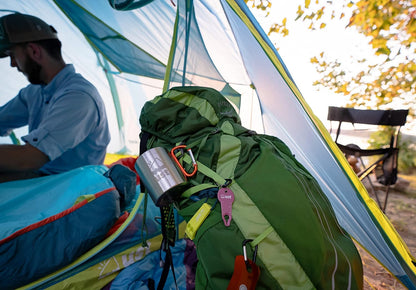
167 222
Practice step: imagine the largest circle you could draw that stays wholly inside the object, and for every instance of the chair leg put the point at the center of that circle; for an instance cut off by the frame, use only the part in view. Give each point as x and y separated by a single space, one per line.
385 199
367 175
374 191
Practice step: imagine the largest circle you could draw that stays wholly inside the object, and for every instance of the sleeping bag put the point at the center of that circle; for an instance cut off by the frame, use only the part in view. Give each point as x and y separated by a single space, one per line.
48 222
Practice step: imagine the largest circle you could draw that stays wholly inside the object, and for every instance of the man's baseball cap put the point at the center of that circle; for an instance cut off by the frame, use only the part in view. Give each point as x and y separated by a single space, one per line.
20 28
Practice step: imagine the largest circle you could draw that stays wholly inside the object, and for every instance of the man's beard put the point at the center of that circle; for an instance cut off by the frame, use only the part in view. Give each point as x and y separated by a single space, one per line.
32 70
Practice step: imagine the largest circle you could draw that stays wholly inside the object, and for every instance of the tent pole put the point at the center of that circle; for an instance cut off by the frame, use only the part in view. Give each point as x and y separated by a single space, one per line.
188 11
116 99
169 66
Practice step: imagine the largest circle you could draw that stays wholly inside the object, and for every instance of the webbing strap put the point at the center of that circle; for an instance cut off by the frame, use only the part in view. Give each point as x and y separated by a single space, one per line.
197 188
262 236
144 225
169 236
206 171
200 142
167 265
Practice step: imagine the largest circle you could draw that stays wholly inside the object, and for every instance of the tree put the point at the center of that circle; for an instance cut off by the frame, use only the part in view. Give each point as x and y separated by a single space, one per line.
389 25
387 78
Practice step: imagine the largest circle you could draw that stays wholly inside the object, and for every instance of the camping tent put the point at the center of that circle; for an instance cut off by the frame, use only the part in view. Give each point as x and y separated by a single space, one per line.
134 50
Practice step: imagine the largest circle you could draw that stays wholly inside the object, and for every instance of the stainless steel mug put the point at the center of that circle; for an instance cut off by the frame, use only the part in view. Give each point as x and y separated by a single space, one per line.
160 176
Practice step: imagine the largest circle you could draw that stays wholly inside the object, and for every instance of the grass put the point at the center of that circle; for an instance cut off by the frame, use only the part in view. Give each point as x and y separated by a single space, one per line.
411 190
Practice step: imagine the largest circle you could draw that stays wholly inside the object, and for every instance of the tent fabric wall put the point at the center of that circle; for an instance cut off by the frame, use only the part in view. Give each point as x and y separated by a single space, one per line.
310 142
219 42
286 115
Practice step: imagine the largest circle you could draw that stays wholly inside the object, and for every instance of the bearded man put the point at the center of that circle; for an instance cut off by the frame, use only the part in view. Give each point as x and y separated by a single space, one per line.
64 112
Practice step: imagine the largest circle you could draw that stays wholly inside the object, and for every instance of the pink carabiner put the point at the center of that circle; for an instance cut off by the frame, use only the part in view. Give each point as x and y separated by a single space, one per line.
194 163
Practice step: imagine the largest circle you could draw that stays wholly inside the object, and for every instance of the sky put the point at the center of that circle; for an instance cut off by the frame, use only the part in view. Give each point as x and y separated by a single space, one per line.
302 44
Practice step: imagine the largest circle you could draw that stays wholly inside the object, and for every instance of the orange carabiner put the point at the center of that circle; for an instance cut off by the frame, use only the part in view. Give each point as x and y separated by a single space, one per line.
195 165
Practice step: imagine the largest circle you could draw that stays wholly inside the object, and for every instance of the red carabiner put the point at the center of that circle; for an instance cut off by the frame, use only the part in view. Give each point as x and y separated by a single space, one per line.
195 165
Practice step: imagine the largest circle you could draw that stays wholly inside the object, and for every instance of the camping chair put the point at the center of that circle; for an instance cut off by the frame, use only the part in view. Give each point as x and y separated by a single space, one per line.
385 167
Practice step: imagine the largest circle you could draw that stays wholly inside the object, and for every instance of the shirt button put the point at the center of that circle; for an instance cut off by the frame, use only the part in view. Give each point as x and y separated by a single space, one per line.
35 139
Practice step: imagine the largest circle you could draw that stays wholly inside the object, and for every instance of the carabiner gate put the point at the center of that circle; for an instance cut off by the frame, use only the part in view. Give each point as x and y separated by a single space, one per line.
194 163
245 242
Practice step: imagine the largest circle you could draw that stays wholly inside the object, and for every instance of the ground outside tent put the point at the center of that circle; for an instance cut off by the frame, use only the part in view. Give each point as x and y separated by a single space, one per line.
401 210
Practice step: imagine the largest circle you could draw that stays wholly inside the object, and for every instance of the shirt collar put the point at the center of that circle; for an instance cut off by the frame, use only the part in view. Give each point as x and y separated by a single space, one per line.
50 88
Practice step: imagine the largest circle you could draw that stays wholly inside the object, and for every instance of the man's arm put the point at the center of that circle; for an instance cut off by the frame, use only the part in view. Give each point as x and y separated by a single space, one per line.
14 114
15 158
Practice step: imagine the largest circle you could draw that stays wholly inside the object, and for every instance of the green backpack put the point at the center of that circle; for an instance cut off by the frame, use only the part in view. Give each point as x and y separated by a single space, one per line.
279 214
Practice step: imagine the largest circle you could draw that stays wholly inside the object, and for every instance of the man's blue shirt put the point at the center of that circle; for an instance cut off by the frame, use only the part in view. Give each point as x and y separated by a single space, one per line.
66 120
